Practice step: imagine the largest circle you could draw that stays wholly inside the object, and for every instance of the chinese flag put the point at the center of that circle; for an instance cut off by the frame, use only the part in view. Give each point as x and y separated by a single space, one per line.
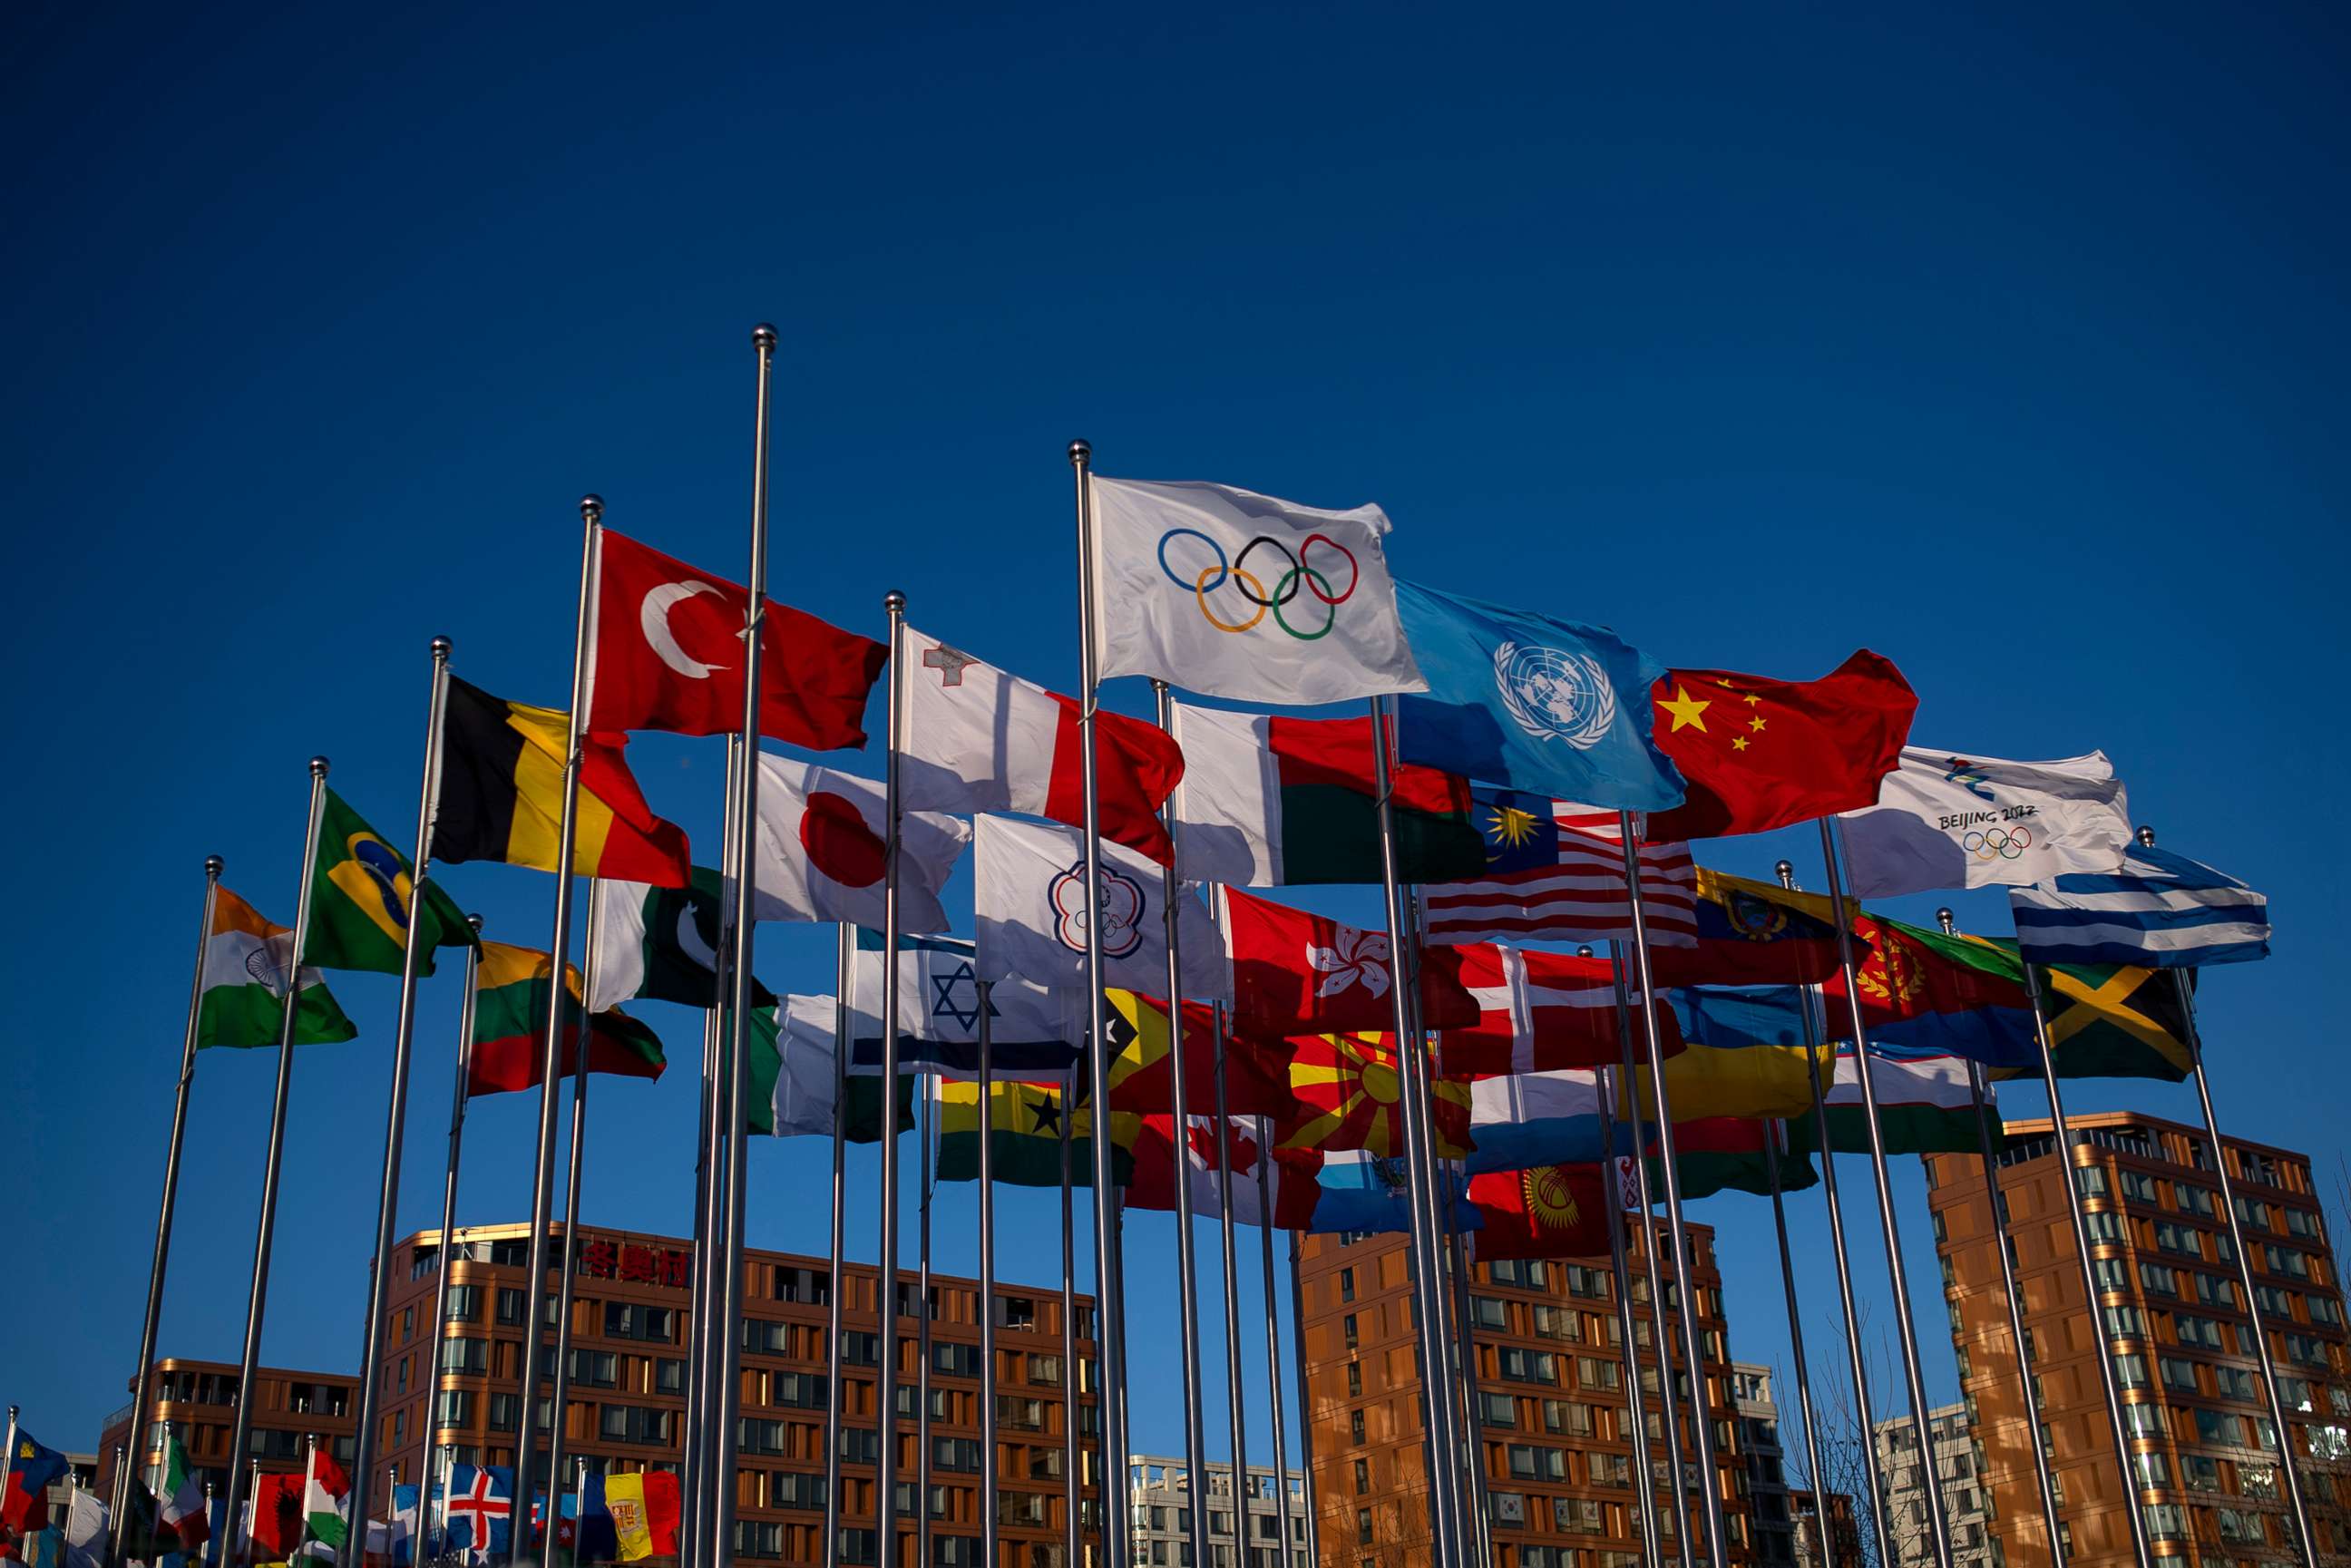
1295 973
1551 1211
665 652
1759 754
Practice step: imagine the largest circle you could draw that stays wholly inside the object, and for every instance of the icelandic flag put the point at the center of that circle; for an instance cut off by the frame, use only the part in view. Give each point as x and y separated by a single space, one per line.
1515 698
480 1510
2157 911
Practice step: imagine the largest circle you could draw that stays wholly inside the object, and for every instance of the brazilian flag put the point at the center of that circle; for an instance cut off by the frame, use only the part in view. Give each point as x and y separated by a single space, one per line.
361 894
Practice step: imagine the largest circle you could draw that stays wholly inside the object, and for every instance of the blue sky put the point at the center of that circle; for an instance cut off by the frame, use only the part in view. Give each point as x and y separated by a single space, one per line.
2005 344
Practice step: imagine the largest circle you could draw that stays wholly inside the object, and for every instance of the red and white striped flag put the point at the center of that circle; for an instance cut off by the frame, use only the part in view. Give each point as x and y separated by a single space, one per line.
1576 892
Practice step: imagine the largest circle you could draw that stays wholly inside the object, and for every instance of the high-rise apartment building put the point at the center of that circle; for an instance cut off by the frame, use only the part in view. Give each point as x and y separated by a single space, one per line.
2203 1448
1910 1531
1159 1490
1767 1464
1549 1417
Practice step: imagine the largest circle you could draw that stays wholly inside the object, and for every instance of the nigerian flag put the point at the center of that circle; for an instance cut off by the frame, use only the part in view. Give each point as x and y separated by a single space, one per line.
360 897
244 1001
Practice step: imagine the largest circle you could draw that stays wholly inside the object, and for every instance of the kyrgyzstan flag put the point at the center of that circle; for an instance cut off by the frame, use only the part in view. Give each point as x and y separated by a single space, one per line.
1551 1211
1759 754
665 652
1296 973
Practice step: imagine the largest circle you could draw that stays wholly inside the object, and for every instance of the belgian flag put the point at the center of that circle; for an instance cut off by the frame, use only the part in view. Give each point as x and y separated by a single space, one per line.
502 795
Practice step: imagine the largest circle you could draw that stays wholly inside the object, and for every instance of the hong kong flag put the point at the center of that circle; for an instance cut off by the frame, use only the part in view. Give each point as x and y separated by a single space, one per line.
665 652
1296 973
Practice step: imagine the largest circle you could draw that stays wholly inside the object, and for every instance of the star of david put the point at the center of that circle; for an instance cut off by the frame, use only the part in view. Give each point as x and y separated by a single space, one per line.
944 1003
948 662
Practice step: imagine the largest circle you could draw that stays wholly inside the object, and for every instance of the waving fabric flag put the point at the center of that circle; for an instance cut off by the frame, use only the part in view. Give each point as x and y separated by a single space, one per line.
821 854
665 652
1295 973
1521 1120
33 1469
1142 1069
659 943
513 989
1735 1081
1748 933
1924 1105
1538 1013
244 1001
361 894
1270 802
1031 914
1345 1089
1240 595
1548 1211
2160 910
1031 1030
792 1056
1516 698
1324 1193
1555 872
1945 820
480 1510
977 739
1727 1153
1025 1123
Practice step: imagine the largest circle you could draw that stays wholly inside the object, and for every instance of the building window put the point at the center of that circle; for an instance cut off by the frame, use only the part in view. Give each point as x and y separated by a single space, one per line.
1347 1284
1362 1477
1354 1380
1363 1527
1355 1426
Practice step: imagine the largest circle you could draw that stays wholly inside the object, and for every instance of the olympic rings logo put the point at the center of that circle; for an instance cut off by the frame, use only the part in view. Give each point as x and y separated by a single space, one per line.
1997 843
1300 575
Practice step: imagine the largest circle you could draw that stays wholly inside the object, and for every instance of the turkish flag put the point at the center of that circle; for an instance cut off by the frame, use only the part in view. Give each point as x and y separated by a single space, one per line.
1295 973
1551 1211
1759 754
665 652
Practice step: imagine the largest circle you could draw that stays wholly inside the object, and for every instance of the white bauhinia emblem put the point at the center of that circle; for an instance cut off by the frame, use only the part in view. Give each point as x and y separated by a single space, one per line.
1554 694
1353 956
653 619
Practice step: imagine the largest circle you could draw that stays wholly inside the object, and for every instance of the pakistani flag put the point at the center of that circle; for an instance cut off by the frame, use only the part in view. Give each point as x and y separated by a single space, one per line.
360 897
1031 1030
244 1001
659 944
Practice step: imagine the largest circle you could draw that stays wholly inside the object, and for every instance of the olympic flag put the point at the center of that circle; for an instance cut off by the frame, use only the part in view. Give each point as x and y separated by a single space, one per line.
1948 820
1240 595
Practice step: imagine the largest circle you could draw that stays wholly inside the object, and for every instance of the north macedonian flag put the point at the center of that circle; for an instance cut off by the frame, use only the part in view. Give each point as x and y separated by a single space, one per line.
502 795
360 893
512 988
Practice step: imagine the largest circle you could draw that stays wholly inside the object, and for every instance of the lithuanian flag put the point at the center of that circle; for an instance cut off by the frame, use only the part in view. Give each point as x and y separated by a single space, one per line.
502 795
512 988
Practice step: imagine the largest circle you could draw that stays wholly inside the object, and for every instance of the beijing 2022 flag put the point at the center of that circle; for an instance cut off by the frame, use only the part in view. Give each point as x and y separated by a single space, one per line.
1943 820
1240 595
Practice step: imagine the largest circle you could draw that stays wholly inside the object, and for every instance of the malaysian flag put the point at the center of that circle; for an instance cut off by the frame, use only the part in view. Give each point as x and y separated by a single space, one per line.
1555 871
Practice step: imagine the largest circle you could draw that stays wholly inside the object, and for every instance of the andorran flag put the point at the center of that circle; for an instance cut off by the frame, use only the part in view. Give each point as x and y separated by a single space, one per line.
502 795
362 893
512 989
1551 1211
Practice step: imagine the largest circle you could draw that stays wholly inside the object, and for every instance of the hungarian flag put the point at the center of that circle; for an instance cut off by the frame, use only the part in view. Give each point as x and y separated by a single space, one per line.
665 652
502 795
512 989
1757 754
977 739
1346 1089
1296 973
1746 933
1727 1153
1142 1071
1270 802
1550 1212
1539 1013
244 1000
361 892
1025 1123
1924 1105
324 1488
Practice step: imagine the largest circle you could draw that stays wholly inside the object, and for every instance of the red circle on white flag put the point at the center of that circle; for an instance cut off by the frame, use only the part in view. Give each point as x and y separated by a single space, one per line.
839 841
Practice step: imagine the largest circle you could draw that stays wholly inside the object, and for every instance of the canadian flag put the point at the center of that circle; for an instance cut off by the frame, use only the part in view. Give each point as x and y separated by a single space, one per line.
977 739
665 652
1296 973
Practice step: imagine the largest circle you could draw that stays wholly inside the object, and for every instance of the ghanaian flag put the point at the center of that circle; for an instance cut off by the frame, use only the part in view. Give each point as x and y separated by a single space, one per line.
502 795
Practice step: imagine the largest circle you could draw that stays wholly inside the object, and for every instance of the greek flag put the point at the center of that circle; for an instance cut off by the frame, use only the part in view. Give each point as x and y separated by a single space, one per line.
2160 910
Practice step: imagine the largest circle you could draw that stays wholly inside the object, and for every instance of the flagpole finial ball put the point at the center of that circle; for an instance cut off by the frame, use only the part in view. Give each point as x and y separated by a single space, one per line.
592 506
442 647
1081 452
1584 951
763 336
2147 838
214 866
895 602
1943 917
476 922
318 767
1785 871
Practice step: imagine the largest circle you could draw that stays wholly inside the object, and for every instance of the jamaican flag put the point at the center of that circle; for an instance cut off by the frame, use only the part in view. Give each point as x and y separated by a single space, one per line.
360 896
2105 1020
512 989
502 795
1026 1121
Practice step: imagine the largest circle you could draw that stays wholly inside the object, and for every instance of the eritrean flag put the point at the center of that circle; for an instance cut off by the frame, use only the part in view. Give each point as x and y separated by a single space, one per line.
512 989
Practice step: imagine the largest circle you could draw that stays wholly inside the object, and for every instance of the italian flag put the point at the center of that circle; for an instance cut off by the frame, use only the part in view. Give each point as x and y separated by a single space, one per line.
1272 802
1924 1105
181 1502
244 1000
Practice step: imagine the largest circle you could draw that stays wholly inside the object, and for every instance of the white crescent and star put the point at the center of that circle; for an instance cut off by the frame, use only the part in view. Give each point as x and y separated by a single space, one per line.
690 942
653 619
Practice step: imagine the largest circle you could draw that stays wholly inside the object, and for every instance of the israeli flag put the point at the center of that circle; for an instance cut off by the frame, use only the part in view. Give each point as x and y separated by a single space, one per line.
2160 910
1031 1030
1551 706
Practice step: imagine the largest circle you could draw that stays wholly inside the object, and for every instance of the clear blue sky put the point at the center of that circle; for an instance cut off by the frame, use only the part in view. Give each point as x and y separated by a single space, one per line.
2007 346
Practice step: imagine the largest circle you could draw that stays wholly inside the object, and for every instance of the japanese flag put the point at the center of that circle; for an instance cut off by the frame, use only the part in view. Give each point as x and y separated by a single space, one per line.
821 854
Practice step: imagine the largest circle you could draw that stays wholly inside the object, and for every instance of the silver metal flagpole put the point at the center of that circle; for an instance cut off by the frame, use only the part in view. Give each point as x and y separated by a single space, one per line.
843 1011
560 1401
739 941
142 1382
448 1468
551 1064
1237 1403
923 1336
241 1433
1996 1202
987 1467
1857 1365
1771 1135
885 1403
1273 1336
1070 1373
1636 1427
1480 1506
1305 1410
395 1131
1188 1304
1939 1527
707 1361
1661 1343
1116 1541
448 1253
1428 1312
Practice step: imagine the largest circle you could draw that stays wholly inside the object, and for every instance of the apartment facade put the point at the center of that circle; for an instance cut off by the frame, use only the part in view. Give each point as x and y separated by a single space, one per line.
1159 1491
1549 1418
1909 1532
2203 1448
1767 1464
198 1400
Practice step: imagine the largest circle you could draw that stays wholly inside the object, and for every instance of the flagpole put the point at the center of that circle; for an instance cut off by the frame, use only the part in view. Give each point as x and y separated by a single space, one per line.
448 1251
707 1362
885 1403
1195 1444
922 1334
1661 1343
1772 1133
1069 1374
1637 1430
142 1384
2194 1039
1116 1543
309 1480
844 1002
1996 1204
1305 1412
1905 1330
448 1469
1465 1335
1272 1329
987 1466
257 1300
1857 1364
557 1410
428 805
551 1066
1237 1404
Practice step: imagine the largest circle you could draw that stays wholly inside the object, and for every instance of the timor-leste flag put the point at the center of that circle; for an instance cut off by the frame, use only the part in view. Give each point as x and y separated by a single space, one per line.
665 643
502 795
1551 1211
362 891
513 988
1142 1068
1759 754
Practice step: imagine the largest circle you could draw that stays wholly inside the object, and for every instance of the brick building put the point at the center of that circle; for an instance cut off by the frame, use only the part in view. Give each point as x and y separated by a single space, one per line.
198 1398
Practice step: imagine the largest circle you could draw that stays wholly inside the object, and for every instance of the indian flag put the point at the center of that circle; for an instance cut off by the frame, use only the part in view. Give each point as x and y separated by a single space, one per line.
244 1001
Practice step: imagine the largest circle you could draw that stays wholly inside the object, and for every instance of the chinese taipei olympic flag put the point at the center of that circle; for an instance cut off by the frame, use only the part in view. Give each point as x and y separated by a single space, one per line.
1945 819
1240 595
1030 911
